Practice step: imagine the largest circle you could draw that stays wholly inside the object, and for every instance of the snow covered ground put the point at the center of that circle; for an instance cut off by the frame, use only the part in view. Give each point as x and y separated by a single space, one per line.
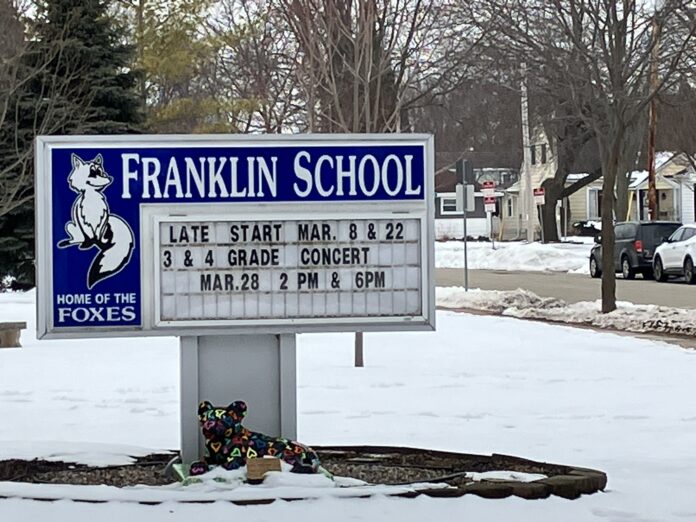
454 228
524 304
537 257
479 384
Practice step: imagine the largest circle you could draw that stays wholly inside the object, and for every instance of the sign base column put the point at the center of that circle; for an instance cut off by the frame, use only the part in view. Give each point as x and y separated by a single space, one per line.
261 370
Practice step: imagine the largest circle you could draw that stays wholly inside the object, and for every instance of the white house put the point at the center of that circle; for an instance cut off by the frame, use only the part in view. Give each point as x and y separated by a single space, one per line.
681 170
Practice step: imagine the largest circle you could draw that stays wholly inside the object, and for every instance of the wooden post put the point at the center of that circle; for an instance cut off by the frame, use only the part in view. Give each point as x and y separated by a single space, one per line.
359 360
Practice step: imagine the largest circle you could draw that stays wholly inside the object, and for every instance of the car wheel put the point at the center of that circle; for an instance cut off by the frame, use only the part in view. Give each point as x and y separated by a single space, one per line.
594 268
659 271
689 272
626 269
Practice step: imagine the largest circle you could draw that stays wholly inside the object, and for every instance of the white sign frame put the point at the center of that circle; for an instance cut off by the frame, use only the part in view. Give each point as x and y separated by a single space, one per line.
425 209
299 322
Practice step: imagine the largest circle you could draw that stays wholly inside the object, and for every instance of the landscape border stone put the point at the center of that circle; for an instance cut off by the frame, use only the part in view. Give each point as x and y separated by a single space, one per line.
561 480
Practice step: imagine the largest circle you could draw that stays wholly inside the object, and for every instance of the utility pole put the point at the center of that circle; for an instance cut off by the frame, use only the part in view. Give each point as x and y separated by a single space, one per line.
528 193
652 122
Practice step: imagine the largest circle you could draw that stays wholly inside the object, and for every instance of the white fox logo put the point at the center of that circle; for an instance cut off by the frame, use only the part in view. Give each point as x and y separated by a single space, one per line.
93 225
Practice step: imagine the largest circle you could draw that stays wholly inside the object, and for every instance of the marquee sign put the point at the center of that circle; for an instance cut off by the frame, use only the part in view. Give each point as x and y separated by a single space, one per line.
192 235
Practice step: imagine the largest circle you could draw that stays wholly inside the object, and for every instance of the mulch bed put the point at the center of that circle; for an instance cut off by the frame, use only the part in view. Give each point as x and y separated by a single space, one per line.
373 464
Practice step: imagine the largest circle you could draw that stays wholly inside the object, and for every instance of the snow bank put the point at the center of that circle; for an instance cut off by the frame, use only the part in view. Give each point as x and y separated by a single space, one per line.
515 256
527 305
454 228
516 476
304 487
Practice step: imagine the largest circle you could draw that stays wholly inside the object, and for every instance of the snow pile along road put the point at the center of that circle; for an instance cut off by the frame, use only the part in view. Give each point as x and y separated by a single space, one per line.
527 305
517 256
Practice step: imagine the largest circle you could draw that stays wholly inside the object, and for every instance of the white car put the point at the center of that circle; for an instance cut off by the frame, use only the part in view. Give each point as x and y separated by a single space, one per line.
677 255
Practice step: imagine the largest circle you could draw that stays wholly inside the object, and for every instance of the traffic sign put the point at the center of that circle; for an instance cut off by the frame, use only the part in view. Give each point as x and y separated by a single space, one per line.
539 196
488 188
467 200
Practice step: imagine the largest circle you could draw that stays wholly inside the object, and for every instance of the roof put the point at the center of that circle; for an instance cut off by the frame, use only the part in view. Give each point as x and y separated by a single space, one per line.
576 176
663 222
674 164
663 157
479 159
639 181
637 178
447 180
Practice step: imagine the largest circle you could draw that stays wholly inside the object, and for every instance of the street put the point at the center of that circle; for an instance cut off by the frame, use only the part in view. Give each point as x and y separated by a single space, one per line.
572 287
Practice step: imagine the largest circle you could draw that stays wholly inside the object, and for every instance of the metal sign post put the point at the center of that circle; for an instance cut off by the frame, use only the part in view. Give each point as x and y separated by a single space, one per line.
234 244
489 203
540 200
466 259
466 202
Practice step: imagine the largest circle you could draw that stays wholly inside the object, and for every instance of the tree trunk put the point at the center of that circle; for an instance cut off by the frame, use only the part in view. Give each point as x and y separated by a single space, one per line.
610 164
552 194
622 182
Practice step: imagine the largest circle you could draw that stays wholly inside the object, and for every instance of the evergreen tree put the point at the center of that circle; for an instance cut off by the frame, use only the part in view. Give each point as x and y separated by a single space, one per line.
17 247
86 86
103 93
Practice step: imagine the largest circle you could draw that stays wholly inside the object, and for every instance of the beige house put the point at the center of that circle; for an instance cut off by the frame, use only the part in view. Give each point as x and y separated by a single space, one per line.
675 184
513 209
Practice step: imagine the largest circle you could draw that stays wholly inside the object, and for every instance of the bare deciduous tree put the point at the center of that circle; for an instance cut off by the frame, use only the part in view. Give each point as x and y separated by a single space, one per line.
256 61
363 65
598 54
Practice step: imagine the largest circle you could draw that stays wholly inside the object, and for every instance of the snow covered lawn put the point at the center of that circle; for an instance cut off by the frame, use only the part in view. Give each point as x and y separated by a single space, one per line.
524 304
479 384
537 257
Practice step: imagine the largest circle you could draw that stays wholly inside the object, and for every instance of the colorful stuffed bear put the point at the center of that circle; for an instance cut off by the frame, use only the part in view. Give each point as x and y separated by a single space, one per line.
229 444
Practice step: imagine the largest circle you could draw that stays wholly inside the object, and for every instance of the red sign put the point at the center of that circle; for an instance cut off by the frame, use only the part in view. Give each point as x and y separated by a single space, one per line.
539 196
489 203
488 188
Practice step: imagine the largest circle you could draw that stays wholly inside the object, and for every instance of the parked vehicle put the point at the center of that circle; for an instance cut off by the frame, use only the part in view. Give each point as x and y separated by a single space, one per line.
677 255
634 247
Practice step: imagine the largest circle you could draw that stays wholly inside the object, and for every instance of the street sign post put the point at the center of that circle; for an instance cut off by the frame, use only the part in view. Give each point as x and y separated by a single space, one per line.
540 200
234 244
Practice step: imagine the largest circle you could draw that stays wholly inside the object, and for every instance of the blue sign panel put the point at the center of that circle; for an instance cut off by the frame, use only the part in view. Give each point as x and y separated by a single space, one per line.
97 191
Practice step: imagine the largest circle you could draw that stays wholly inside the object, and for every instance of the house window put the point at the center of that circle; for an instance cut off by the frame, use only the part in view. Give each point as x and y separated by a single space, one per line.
448 206
533 154
594 204
543 152
509 207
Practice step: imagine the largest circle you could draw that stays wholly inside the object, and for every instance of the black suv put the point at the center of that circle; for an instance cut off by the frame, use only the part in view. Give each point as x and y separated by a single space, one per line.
635 244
